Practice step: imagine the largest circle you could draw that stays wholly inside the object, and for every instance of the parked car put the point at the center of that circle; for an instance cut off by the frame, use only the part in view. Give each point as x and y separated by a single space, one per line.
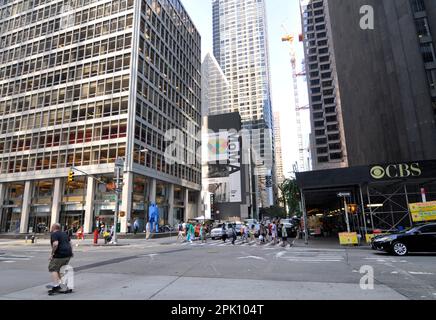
418 239
216 232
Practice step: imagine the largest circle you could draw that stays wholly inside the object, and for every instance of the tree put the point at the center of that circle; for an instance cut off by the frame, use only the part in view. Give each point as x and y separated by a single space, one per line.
291 197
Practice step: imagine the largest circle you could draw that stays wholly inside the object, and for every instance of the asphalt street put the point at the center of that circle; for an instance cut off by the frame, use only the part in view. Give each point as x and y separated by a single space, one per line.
163 269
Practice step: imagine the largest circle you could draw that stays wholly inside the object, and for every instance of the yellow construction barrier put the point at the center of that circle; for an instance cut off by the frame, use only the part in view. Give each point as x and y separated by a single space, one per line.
348 238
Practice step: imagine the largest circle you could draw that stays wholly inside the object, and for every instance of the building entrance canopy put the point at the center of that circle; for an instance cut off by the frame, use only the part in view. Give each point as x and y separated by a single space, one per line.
379 195
363 175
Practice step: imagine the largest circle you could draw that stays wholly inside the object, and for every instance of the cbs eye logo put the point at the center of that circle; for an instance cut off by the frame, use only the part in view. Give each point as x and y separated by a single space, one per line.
378 172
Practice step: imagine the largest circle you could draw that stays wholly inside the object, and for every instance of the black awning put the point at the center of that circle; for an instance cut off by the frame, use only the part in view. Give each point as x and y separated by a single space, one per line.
385 173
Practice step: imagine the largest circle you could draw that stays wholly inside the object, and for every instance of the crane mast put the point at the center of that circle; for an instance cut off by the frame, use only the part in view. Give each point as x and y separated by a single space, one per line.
290 40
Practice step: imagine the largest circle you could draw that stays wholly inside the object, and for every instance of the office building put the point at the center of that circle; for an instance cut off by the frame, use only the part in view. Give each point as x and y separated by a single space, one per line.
83 85
372 90
241 49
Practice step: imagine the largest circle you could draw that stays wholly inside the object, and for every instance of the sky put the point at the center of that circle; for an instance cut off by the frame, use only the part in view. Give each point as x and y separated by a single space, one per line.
283 17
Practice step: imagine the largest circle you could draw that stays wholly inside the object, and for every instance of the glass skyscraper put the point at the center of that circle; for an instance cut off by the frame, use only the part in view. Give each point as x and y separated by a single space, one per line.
241 49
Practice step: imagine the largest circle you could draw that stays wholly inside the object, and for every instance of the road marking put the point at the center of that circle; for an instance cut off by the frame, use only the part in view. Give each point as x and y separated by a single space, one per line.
394 272
421 273
280 254
252 257
6 261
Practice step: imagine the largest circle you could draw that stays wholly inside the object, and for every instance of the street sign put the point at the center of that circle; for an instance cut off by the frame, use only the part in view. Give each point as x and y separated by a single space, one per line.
344 194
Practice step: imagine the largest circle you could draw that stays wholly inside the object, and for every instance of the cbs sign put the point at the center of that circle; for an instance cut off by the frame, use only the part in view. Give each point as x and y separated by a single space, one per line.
395 171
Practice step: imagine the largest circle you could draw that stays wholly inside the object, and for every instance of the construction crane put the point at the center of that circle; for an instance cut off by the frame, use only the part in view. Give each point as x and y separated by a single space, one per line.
290 39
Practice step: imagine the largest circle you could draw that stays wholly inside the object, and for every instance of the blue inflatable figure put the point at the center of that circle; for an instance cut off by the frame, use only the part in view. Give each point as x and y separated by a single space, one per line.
153 212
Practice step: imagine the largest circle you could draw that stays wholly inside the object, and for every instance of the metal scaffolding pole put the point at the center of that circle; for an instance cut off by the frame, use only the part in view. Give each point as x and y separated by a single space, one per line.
363 210
408 205
304 209
370 208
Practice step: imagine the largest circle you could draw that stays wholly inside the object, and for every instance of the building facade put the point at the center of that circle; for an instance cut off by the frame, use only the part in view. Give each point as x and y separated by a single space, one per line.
82 85
280 177
241 49
227 179
215 89
372 90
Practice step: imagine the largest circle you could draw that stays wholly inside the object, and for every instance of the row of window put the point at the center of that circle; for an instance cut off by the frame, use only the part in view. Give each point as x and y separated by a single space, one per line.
59 53
72 18
62 159
76 73
68 114
68 136
62 39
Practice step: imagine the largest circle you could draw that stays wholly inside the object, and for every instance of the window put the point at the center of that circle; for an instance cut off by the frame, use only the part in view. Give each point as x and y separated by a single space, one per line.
428 229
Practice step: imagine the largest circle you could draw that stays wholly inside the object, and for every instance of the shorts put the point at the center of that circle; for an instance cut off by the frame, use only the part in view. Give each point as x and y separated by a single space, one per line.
57 263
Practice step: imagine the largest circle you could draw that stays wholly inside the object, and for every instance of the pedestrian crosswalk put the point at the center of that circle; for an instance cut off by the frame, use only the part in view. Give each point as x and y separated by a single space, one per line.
239 243
13 258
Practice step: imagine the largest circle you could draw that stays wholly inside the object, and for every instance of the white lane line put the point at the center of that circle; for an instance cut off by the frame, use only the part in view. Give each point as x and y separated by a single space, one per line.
421 273
7 261
252 257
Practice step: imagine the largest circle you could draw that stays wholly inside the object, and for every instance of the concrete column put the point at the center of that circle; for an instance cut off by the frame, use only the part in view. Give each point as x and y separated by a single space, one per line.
171 205
200 211
89 206
186 201
2 198
126 201
25 209
152 198
57 199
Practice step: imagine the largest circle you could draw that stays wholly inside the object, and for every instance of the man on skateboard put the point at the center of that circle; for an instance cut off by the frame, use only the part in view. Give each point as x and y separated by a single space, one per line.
61 254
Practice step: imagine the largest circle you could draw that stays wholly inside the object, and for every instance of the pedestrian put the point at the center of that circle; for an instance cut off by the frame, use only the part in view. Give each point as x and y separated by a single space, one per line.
191 232
284 235
136 226
106 236
147 230
181 235
61 254
270 232
129 227
234 235
80 236
203 229
279 231
224 233
112 233
274 233
253 233
96 236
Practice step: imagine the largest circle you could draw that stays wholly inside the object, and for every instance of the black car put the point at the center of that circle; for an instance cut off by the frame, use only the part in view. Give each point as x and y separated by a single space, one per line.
418 239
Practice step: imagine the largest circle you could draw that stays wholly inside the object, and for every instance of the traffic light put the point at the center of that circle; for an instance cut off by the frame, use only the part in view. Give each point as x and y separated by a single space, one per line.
352 208
70 176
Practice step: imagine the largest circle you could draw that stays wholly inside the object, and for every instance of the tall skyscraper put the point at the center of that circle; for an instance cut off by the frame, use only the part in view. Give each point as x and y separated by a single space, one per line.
215 89
372 90
280 177
82 85
241 49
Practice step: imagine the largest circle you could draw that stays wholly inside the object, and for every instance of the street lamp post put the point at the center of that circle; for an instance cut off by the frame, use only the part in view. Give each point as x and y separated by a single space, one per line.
119 165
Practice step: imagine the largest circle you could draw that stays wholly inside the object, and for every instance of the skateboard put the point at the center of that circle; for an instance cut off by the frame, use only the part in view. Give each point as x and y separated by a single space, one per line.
63 290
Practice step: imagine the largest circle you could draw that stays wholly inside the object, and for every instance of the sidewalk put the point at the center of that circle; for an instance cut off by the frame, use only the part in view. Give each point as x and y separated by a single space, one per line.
88 242
327 243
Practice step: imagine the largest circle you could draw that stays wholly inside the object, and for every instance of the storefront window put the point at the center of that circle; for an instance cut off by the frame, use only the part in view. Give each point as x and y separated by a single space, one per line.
11 210
40 209
73 204
162 197
104 206
140 204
